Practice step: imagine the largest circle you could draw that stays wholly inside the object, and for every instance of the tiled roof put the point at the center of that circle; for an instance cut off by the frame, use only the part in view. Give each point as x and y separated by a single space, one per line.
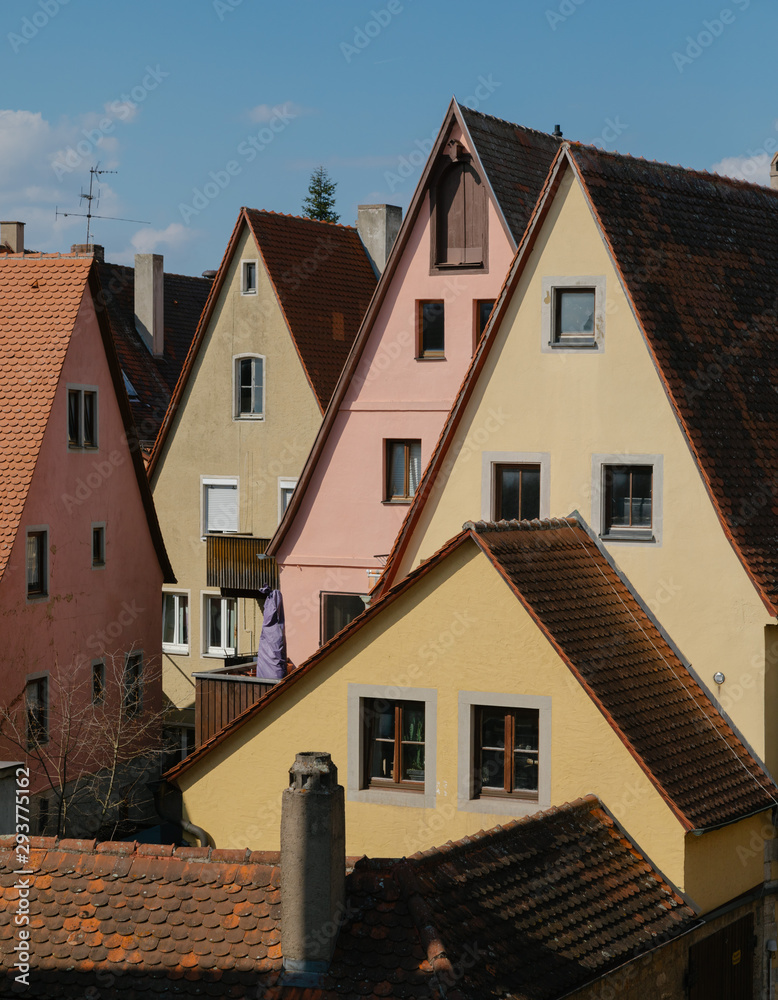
39 302
516 160
153 379
531 909
699 256
324 281
591 616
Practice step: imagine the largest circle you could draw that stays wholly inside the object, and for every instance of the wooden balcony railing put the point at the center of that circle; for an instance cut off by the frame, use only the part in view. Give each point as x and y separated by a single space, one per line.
222 694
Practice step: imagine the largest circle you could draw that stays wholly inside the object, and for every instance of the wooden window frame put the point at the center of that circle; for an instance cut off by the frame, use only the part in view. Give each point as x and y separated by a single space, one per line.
423 353
522 466
407 443
85 435
631 530
397 781
508 790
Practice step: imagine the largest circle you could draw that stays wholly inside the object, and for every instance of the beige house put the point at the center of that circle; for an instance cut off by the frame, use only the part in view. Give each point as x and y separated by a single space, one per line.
283 312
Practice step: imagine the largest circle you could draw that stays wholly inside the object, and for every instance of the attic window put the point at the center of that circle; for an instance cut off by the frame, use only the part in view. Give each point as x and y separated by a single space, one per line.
459 230
248 277
132 394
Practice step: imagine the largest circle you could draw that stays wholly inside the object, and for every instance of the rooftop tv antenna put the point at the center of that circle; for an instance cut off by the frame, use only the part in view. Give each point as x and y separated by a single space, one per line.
95 172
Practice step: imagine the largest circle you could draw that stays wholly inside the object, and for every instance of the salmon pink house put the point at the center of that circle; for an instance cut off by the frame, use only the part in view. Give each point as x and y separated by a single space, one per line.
81 556
445 271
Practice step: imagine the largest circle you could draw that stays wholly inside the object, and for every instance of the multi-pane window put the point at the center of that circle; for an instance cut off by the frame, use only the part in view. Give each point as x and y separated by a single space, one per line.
337 611
221 625
516 492
250 387
37 568
506 751
175 622
98 682
133 683
403 469
483 310
248 281
432 340
37 712
394 735
573 316
220 505
98 545
82 418
628 499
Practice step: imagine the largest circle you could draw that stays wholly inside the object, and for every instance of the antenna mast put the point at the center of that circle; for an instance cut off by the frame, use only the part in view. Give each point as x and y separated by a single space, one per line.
95 171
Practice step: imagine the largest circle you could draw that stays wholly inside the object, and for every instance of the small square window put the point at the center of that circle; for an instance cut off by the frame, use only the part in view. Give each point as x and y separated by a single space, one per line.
573 315
516 492
628 499
337 611
220 506
221 626
248 277
432 341
37 563
175 622
394 739
37 711
250 387
133 684
403 470
82 418
98 546
98 682
506 752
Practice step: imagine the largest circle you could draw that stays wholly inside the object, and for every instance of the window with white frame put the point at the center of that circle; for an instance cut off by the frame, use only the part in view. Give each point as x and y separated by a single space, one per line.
175 622
220 618
504 755
573 313
248 277
249 387
392 744
285 491
627 497
220 505
82 421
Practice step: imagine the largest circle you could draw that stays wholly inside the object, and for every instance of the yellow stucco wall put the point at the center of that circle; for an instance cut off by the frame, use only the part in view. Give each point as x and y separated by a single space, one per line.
458 629
206 440
725 862
576 405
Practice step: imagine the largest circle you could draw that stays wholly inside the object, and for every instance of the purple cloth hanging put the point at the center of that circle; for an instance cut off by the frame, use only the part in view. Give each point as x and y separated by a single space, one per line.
271 656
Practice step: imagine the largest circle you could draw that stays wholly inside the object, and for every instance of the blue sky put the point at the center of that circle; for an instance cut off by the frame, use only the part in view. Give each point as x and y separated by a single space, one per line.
240 99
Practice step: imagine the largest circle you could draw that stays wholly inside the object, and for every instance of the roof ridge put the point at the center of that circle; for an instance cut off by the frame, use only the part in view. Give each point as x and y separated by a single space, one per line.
301 218
504 121
135 849
528 524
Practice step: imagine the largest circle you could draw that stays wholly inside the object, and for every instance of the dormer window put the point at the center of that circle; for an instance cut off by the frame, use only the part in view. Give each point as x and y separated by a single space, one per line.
459 215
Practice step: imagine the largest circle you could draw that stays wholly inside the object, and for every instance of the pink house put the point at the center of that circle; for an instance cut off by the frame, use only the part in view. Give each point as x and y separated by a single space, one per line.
81 556
467 215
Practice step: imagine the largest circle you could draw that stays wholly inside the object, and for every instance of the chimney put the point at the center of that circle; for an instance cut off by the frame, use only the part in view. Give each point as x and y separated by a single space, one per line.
378 226
12 235
89 250
774 172
149 301
313 863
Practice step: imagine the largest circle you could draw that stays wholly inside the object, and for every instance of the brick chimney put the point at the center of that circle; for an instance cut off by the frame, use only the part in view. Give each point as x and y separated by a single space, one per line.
149 301
378 226
12 235
313 863
774 172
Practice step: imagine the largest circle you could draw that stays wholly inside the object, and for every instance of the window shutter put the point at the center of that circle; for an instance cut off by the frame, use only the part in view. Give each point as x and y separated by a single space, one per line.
222 508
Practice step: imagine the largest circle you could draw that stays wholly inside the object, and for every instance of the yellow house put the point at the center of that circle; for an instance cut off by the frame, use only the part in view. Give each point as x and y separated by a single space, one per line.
632 361
283 312
513 671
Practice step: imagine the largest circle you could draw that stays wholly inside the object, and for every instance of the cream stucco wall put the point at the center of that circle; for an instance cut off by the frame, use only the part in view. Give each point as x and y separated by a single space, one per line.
207 440
573 406
458 629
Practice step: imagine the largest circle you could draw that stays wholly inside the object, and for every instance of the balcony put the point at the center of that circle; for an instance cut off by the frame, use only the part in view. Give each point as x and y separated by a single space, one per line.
222 694
233 564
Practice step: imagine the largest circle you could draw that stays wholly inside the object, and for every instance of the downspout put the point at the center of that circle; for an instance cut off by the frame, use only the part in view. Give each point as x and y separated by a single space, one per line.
161 790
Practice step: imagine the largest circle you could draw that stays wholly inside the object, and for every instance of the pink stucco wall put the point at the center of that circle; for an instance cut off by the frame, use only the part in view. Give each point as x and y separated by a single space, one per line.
342 525
89 612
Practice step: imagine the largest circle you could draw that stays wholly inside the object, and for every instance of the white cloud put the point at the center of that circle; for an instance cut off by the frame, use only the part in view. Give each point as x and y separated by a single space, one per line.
745 168
153 240
266 112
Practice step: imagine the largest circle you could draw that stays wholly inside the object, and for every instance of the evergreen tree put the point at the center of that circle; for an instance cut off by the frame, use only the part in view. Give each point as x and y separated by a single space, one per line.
320 201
